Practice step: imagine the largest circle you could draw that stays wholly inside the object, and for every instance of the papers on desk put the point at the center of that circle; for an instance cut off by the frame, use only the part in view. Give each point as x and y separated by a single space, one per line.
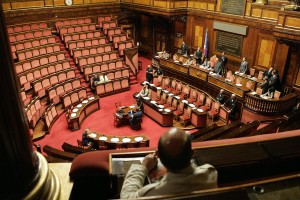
165 91
191 105
126 140
151 84
159 88
75 110
170 94
91 98
177 97
253 93
236 72
241 74
114 139
238 84
93 135
146 98
228 80
199 110
160 110
159 52
131 106
184 101
156 56
153 102
254 78
85 101
79 105
103 138
138 139
176 61
73 115
160 106
167 110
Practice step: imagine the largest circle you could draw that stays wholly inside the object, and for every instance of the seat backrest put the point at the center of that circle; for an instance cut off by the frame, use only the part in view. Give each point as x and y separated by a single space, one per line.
208 102
277 94
260 75
228 74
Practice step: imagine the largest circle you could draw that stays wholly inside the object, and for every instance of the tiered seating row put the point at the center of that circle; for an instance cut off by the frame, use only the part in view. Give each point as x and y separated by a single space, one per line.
117 38
113 31
102 67
34 111
26 27
112 74
40 85
112 87
81 35
50 116
76 29
58 90
36 42
37 51
102 19
39 60
68 22
124 45
80 43
96 58
27 77
108 24
25 98
90 51
29 35
73 97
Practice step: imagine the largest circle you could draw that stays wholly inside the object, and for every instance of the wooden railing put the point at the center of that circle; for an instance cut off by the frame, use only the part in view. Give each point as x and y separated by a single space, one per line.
270 106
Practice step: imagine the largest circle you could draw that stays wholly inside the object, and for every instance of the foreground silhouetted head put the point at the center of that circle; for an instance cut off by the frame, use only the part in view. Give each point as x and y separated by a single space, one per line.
175 149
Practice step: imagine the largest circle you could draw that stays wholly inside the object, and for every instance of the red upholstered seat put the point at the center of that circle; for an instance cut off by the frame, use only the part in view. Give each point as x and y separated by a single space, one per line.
200 99
178 89
165 83
185 92
163 99
214 111
179 111
173 107
168 102
207 105
158 81
193 96
186 118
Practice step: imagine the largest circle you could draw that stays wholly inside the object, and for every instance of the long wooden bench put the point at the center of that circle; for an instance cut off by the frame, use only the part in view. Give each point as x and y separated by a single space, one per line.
50 116
26 27
73 21
245 130
81 35
74 149
29 34
74 96
85 51
112 87
34 111
88 42
63 30
56 153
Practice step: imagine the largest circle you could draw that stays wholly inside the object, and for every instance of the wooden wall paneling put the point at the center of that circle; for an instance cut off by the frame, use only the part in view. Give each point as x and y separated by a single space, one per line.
280 59
142 2
6 6
162 4
198 36
27 4
266 48
179 28
218 5
293 67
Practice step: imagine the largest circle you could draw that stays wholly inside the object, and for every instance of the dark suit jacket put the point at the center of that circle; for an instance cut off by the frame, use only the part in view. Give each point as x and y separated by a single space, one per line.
220 98
224 61
232 105
268 73
184 49
218 68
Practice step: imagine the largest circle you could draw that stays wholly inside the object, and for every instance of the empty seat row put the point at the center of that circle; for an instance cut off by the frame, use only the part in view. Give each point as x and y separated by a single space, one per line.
108 24
58 90
117 38
40 85
112 75
34 111
103 67
73 44
25 78
73 97
29 35
113 31
39 61
90 51
76 28
101 19
37 51
96 58
50 116
26 99
112 87
124 45
25 44
81 35
67 22
26 27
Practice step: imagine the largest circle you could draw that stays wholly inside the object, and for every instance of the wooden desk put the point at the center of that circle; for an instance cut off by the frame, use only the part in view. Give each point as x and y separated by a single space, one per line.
82 111
198 72
245 78
174 65
198 119
121 115
161 117
221 83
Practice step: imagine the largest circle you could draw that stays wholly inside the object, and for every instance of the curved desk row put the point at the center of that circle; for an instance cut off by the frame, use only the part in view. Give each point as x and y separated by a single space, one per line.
82 111
102 141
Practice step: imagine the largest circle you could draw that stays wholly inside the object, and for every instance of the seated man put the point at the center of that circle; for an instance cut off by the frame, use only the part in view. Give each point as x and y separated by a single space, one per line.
144 92
175 153
189 61
218 67
205 64
85 140
95 80
136 119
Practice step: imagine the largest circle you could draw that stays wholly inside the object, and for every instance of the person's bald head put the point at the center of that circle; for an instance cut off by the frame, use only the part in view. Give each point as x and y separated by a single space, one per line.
175 149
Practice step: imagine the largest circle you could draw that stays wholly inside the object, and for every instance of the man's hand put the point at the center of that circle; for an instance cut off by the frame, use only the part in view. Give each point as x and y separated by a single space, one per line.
150 161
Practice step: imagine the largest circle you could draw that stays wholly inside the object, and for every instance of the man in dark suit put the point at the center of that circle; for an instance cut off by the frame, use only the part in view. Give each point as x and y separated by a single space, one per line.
158 71
231 104
268 73
95 80
135 120
244 66
198 55
149 74
184 48
220 97
223 60
273 82
218 67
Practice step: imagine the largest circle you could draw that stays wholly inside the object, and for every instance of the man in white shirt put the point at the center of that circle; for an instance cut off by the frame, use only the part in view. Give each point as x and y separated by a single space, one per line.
175 153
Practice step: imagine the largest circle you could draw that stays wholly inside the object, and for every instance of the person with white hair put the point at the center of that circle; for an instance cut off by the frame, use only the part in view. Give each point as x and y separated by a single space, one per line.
231 104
